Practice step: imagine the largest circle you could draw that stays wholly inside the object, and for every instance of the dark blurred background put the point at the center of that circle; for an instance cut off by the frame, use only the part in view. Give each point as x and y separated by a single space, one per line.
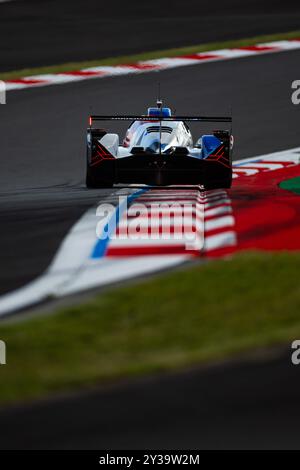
47 32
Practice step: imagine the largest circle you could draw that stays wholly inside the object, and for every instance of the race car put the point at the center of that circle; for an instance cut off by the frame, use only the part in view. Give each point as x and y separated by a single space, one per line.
158 150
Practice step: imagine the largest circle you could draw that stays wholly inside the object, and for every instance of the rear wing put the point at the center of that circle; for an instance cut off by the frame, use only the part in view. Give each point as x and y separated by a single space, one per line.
160 118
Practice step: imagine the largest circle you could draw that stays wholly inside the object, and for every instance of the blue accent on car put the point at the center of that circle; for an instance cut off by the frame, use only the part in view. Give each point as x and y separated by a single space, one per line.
164 112
210 143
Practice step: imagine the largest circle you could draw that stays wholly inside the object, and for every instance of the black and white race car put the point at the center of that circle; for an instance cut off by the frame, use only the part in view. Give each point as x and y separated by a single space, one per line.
158 150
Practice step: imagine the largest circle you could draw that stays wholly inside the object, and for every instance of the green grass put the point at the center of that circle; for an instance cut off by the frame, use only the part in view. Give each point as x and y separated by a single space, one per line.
182 318
147 55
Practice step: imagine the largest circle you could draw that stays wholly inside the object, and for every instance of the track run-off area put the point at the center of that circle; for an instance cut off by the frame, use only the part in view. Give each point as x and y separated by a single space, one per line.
261 211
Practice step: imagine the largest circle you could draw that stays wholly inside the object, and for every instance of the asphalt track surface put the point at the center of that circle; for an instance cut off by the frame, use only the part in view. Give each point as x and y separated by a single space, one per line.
47 32
42 194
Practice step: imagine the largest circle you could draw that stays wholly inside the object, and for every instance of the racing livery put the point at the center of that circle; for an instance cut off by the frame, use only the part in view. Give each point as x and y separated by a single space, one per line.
158 150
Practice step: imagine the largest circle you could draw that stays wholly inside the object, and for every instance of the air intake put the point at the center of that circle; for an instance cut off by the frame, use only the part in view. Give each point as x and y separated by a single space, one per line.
165 129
